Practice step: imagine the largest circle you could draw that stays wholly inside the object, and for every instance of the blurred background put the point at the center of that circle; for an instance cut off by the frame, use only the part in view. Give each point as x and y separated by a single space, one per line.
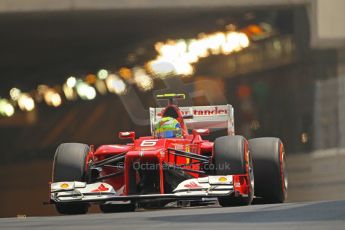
83 70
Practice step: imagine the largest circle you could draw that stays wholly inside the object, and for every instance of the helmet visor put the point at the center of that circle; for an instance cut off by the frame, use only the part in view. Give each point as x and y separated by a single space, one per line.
168 134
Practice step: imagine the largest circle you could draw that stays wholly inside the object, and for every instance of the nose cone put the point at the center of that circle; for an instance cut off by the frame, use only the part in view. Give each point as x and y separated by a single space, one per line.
145 154
150 144
111 149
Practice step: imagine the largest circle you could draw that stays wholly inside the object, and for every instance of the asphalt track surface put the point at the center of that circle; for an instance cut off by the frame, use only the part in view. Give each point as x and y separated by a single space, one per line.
315 178
308 215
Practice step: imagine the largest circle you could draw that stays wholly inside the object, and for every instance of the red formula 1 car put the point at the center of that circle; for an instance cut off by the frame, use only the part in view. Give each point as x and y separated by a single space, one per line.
152 170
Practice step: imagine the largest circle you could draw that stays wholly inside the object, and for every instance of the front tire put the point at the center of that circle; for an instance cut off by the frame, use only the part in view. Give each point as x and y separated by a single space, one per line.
271 179
233 151
69 165
112 208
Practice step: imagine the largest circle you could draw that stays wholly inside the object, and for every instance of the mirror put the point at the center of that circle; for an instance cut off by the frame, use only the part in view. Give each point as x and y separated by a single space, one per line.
127 135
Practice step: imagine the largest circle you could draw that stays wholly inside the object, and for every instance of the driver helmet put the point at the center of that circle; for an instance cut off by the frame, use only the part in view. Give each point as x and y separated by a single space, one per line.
168 127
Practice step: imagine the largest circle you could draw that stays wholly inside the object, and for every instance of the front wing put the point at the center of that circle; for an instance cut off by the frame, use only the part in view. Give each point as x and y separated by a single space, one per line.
205 187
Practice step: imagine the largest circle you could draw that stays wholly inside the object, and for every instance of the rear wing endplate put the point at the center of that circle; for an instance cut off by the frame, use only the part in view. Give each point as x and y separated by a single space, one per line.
203 117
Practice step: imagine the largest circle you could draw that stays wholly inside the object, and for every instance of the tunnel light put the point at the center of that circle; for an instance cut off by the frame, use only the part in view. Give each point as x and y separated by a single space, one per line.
102 74
199 48
71 82
115 84
91 79
214 42
69 92
181 54
143 81
235 41
101 87
125 73
244 40
15 94
56 100
9 110
174 57
85 91
52 98
161 68
6 108
25 102
183 68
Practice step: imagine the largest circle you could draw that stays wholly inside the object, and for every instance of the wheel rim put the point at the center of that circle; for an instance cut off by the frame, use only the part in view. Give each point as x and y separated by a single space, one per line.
285 173
251 174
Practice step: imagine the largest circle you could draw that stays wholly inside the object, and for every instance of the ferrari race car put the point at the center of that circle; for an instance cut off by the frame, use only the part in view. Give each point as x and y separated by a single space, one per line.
160 169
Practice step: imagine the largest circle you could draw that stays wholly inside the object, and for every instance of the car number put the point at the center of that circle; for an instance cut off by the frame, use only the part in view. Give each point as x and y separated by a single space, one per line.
148 143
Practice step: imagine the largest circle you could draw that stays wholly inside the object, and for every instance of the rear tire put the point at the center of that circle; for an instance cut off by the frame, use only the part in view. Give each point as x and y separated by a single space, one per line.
231 150
69 165
72 209
271 179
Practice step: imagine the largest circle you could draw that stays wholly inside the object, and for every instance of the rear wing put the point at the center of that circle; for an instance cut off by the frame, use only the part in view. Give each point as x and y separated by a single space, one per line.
203 117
